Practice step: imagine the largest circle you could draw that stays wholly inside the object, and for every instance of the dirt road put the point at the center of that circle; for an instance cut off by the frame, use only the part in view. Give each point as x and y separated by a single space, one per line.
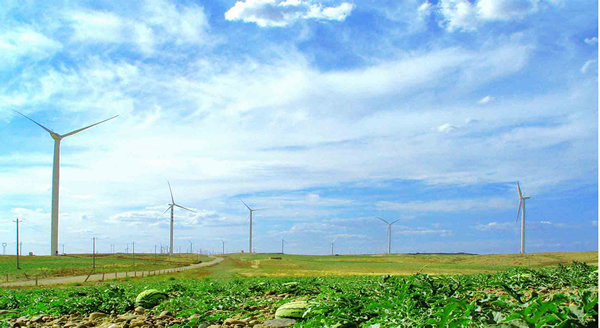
107 276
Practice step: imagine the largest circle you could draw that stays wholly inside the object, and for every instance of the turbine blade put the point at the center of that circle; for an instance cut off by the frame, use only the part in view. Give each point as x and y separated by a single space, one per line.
171 191
260 209
185 208
41 126
382 220
395 221
245 204
164 212
519 210
333 241
519 188
87 127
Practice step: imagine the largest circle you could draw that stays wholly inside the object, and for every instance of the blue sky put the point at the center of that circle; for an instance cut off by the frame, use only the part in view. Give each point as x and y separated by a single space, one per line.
327 113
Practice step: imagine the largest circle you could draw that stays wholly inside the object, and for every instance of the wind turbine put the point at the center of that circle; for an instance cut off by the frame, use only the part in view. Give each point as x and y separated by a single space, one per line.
223 245
251 210
389 231
282 242
171 207
56 177
522 201
332 242
191 247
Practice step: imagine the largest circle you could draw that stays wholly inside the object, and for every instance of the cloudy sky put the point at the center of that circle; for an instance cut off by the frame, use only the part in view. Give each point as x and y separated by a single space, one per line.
328 113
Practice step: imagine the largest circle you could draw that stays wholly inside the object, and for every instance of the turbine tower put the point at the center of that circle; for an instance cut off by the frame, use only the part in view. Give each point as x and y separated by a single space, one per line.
332 242
389 231
56 177
171 207
251 210
282 242
522 201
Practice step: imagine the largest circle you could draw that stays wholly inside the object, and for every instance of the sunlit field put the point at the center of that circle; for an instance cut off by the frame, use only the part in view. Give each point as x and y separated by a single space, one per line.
78 264
243 264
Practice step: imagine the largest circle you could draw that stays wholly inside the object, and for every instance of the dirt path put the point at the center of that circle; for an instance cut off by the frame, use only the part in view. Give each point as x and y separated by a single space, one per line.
108 276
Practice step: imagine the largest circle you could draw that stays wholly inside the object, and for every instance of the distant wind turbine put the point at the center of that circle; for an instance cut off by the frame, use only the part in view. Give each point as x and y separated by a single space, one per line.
522 201
332 242
251 210
282 242
389 231
223 245
171 207
56 177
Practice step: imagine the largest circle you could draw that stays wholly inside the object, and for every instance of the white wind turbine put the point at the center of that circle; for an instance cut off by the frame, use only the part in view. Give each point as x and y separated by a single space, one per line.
332 242
522 201
389 231
56 177
171 207
251 210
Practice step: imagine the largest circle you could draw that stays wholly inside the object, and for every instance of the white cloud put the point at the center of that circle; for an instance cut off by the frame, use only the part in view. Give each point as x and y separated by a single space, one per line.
447 128
458 15
23 42
268 13
465 15
486 100
505 9
425 231
589 65
425 9
454 205
97 26
159 22
591 41
495 226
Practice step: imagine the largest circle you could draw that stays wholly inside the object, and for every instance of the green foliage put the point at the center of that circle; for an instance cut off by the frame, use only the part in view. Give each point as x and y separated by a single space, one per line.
564 296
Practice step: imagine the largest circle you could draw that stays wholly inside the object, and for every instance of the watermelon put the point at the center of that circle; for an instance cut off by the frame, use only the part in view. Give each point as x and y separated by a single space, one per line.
150 298
292 310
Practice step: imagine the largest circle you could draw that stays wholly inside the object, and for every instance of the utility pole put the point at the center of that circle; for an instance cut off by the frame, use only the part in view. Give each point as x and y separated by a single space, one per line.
94 253
17 243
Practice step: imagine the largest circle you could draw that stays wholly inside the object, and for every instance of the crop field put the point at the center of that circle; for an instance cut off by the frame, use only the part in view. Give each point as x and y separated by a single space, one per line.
57 266
389 291
249 265
563 296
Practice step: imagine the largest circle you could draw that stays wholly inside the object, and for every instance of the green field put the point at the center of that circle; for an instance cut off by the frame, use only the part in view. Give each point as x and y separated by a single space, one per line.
57 266
516 296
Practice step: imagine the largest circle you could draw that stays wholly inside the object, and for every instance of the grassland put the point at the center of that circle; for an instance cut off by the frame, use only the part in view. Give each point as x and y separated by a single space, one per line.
250 265
57 266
